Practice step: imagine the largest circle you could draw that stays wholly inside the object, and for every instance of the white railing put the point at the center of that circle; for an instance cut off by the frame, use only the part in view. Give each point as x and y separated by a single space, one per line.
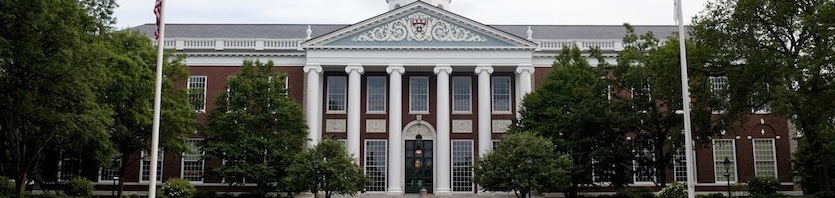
222 44
550 45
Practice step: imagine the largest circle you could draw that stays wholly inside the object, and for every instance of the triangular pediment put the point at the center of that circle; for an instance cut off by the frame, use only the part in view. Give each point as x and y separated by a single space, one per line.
419 25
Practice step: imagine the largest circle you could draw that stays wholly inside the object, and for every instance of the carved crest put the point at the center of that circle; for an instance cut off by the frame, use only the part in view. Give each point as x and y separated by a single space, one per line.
419 27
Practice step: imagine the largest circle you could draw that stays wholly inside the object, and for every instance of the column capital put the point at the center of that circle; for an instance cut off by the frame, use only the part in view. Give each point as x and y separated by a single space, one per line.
354 67
395 68
525 68
315 67
484 68
445 68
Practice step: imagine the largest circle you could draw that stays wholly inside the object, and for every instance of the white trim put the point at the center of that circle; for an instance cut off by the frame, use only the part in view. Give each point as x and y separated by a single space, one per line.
202 162
161 161
205 88
328 95
385 161
428 95
773 154
493 95
452 165
368 95
734 159
470 94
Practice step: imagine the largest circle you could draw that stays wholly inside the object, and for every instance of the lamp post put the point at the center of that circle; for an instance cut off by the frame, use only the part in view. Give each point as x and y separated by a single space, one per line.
529 163
727 164
316 176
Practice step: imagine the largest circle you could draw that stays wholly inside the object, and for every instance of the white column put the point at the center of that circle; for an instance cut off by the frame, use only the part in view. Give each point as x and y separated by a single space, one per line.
442 128
484 109
312 106
395 168
523 76
354 91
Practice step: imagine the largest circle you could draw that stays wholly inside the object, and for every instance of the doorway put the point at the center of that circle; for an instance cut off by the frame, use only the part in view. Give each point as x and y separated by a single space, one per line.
419 165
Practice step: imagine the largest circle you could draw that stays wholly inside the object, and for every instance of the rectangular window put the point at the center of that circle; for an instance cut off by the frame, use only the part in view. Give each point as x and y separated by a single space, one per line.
718 85
644 92
601 174
146 166
197 92
644 172
760 102
110 173
680 165
192 164
376 94
764 159
495 144
607 89
375 165
724 149
419 94
337 93
462 94
462 165
501 94
68 167
283 86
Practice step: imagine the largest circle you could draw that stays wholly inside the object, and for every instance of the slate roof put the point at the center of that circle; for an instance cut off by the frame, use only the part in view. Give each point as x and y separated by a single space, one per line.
278 31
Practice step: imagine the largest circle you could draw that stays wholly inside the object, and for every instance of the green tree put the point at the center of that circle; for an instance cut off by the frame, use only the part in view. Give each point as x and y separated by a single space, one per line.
506 168
650 72
778 54
48 87
130 59
256 128
337 173
571 108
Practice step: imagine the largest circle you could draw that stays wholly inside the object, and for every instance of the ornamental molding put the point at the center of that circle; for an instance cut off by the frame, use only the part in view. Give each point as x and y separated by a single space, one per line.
501 126
375 126
462 126
419 27
336 126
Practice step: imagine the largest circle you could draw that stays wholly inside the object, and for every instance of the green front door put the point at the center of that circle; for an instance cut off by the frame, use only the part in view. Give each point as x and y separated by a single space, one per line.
418 165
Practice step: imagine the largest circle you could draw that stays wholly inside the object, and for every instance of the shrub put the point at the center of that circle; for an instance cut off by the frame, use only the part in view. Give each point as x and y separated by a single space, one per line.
79 187
762 186
825 194
6 187
674 190
177 188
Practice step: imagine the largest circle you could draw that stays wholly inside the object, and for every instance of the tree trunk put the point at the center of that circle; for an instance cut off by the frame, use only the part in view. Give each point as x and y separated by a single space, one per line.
20 183
823 180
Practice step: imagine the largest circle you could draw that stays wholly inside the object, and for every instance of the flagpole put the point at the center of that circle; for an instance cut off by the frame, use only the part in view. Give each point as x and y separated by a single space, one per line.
685 95
152 187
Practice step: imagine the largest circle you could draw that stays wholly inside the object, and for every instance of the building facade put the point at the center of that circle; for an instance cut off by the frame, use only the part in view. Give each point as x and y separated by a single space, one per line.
420 70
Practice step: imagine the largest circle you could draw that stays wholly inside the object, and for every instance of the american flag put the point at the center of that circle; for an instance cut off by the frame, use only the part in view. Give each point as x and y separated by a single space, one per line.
157 12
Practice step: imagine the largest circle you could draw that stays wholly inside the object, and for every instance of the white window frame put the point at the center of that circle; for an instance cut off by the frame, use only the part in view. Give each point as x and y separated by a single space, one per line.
493 95
116 163
596 178
773 156
718 167
160 160
412 103
766 109
383 166
61 170
344 95
199 153
717 93
453 166
636 169
680 165
369 93
469 94
192 84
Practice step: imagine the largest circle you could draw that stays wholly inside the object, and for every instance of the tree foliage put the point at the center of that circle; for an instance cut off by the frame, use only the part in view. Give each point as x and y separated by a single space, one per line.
649 73
777 54
130 59
506 168
571 108
256 128
49 86
338 173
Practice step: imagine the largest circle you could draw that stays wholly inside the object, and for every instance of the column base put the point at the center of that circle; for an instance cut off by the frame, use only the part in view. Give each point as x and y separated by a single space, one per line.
394 191
443 192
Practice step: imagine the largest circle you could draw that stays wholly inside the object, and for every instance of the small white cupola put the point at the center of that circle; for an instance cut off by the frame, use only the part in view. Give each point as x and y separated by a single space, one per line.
394 4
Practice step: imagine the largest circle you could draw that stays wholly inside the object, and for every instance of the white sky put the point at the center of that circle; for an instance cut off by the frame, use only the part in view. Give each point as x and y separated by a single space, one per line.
492 12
